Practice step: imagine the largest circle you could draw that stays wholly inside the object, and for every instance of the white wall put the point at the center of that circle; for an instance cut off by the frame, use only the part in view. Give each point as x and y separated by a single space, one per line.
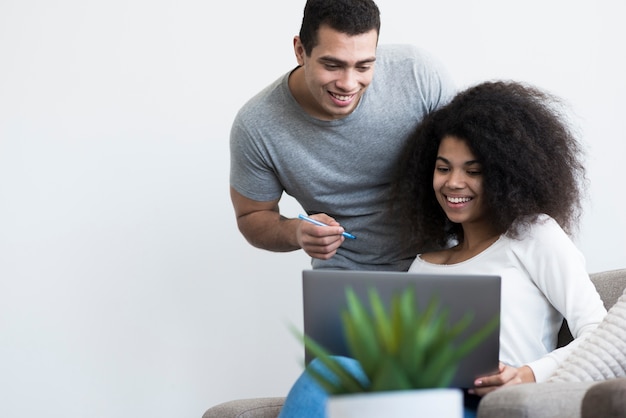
125 287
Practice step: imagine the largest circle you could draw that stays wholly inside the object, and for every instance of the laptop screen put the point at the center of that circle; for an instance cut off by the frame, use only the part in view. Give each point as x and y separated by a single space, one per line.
324 298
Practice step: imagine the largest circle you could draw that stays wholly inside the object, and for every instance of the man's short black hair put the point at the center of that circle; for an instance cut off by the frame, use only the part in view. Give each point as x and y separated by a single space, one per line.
353 17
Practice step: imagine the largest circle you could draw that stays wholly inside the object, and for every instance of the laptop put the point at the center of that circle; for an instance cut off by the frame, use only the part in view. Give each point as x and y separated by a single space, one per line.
324 299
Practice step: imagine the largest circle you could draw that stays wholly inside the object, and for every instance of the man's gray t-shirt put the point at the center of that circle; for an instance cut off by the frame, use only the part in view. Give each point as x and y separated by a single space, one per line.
341 167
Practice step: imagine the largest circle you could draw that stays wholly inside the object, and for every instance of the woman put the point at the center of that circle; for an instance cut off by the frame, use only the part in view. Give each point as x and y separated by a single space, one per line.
492 182
497 172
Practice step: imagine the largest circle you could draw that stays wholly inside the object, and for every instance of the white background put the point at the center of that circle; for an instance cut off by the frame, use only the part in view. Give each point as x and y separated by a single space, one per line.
125 287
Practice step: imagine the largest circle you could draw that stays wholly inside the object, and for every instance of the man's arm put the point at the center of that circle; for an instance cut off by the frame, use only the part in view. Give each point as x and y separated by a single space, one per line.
264 227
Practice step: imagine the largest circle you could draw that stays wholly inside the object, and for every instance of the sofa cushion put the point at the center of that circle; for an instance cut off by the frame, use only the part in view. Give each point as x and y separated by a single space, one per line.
606 399
610 285
545 400
247 408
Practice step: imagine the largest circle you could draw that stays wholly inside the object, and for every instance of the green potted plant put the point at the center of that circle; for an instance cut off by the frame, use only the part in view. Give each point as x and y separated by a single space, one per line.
405 353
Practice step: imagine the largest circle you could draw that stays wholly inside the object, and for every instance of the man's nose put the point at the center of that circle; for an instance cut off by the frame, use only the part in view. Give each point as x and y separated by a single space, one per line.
348 81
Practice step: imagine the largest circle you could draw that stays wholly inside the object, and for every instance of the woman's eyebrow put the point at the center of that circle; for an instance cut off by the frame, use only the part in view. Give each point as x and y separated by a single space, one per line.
470 162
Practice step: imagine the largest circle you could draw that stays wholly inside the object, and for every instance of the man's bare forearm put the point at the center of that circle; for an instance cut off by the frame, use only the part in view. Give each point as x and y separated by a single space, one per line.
269 230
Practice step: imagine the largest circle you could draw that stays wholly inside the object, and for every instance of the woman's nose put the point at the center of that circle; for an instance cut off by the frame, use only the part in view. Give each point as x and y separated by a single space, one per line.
456 180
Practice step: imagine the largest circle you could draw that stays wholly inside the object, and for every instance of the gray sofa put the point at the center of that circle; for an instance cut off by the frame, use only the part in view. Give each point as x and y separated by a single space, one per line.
544 400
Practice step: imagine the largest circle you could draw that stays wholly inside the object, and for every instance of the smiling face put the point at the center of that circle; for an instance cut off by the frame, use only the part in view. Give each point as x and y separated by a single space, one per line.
331 81
458 182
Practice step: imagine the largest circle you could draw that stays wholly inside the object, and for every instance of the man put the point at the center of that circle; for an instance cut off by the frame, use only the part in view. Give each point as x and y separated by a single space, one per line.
329 133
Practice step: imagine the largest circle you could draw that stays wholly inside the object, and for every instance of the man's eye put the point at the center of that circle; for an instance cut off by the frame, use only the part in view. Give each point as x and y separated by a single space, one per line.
364 68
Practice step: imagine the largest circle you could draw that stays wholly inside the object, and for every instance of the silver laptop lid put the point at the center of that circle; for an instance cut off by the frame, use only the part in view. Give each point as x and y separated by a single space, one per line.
324 299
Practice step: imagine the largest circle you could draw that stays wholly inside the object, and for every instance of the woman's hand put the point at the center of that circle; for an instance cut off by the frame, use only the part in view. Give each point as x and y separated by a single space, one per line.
506 376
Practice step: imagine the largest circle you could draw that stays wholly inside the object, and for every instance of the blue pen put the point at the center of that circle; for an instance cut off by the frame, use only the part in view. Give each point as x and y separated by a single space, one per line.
318 223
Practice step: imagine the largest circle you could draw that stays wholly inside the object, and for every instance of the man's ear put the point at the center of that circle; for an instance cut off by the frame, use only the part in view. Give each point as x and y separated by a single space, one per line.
298 49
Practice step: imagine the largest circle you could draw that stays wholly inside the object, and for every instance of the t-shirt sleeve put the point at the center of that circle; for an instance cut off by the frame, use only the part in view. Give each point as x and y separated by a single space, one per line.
435 80
250 172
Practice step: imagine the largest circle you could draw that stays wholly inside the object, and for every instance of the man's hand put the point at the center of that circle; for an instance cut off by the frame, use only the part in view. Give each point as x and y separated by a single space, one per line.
263 226
506 376
320 241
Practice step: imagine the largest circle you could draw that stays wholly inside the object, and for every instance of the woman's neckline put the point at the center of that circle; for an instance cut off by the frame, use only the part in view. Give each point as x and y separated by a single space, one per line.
450 257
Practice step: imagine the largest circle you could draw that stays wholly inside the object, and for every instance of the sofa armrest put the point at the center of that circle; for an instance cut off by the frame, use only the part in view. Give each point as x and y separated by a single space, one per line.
247 408
606 399
536 400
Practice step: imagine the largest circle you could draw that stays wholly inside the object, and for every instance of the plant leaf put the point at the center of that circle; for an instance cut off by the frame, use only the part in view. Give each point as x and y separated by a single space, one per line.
478 337
360 333
343 381
382 323
390 376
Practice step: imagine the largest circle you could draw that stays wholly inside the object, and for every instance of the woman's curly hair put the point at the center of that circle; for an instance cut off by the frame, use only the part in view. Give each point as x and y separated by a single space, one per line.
531 162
